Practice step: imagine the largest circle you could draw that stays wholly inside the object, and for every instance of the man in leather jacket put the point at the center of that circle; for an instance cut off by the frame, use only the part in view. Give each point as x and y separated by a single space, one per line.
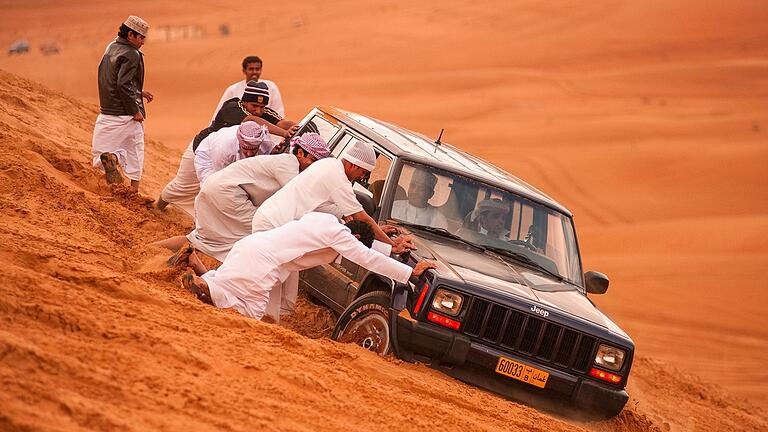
118 136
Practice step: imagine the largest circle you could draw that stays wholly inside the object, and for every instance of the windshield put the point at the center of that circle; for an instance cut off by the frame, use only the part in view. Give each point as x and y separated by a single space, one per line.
498 220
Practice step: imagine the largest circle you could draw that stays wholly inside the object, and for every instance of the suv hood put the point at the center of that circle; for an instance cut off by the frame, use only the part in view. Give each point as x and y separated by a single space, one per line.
501 274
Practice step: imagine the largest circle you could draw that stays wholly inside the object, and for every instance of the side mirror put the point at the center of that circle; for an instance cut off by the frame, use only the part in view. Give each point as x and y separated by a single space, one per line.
596 282
366 201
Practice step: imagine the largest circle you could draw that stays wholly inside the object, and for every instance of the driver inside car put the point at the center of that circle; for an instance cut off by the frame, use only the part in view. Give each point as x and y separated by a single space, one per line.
488 219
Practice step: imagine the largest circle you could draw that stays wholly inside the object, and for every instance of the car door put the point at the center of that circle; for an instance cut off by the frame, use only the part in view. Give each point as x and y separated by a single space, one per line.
373 188
325 282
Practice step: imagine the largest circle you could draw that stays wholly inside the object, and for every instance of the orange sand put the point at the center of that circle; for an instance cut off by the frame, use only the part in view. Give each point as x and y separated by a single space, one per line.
649 121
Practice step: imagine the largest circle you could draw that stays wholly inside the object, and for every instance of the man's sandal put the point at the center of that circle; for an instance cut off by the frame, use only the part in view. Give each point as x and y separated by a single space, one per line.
181 257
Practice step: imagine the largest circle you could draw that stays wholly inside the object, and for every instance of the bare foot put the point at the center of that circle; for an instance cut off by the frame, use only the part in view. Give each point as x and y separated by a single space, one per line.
196 264
197 286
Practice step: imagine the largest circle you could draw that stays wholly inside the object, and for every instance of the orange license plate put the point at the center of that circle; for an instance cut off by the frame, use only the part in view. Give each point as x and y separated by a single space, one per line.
522 372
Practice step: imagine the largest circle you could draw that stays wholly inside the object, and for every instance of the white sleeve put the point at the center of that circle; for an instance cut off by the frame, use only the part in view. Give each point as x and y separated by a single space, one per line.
349 247
330 208
203 162
223 154
382 248
276 99
342 194
286 170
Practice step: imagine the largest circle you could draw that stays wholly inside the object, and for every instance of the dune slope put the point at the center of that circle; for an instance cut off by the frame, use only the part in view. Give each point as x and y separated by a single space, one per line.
98 335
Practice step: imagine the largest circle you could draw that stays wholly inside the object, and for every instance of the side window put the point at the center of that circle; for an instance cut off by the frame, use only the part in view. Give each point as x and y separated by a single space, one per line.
321 126
379 176
343 141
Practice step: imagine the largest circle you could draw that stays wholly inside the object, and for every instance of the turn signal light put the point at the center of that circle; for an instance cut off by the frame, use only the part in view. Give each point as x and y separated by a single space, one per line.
605 376
443 321
423 294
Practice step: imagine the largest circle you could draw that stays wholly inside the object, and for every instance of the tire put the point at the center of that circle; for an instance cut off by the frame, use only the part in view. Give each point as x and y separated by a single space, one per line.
365 322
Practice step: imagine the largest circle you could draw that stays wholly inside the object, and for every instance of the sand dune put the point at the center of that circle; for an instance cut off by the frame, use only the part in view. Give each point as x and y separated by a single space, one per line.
648 121
98 334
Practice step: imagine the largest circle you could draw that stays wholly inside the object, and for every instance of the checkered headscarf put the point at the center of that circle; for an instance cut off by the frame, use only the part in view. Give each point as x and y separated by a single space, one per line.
313 144
253 136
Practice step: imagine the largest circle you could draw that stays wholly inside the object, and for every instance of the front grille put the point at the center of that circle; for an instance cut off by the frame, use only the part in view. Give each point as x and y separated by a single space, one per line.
529 335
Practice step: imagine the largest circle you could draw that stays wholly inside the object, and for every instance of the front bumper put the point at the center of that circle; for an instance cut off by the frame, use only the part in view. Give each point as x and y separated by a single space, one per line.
475 363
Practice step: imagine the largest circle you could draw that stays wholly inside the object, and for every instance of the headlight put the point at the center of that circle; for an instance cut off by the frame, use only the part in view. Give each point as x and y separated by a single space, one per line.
447 302
609 357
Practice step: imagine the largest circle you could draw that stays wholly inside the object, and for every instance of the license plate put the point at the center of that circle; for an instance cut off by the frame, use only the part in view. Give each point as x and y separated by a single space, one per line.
522 372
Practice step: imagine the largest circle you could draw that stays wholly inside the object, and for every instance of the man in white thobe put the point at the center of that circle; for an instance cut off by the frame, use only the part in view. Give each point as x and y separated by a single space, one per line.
252 67
229 198
230 144
417 209
250 105
326 186
262 261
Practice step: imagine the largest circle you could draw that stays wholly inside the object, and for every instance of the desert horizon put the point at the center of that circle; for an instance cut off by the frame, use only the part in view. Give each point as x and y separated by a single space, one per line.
648 121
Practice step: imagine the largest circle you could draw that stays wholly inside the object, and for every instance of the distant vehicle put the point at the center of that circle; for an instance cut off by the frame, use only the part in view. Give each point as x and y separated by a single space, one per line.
507 312
49 48
20 46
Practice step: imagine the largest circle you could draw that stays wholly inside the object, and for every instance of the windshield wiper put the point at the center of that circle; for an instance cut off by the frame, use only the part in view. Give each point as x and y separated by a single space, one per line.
442 231
525 259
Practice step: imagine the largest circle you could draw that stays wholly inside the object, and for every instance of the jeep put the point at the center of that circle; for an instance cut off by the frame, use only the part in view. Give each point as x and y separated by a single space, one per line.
506 309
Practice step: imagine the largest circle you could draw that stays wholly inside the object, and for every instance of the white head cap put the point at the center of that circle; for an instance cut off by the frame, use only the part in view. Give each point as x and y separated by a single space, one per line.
137 24
361 154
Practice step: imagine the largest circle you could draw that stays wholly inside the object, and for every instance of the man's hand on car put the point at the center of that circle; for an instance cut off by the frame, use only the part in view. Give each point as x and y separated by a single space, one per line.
421 267
390 230
291 131
402 243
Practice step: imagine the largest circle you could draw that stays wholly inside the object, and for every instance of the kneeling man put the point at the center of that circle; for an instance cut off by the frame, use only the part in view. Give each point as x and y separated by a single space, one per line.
229 198
265 259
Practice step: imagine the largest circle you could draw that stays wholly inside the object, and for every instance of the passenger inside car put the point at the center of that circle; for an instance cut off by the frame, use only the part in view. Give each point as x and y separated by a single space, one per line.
416 208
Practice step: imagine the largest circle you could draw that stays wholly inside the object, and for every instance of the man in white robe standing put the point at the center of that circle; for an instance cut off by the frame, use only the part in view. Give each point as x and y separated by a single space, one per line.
228 199
326 186
118 136
252 68
263 261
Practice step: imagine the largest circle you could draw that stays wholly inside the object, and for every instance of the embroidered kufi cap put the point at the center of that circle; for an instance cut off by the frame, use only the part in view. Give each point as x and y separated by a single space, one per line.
137 24
361 154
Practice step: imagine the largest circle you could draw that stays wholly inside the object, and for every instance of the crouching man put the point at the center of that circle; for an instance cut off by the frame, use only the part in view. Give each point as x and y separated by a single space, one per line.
265 259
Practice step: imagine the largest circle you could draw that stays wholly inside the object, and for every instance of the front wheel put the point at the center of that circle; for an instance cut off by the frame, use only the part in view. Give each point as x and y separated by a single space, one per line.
365 322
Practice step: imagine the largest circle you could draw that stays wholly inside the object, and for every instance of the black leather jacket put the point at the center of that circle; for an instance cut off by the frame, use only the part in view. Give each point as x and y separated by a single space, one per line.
121 79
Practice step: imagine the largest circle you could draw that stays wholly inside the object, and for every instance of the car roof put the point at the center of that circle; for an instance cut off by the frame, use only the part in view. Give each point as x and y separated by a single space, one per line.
414 146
